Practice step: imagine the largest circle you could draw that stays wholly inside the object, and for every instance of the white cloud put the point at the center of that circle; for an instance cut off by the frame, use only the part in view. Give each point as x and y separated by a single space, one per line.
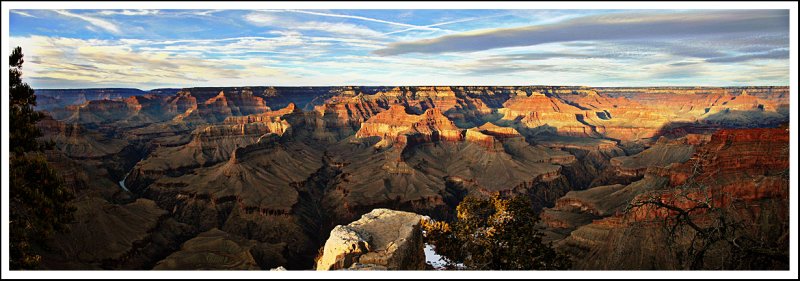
341 28
101 23
105 62
286 43
262 19
607 27
358 18
206 13
291 55
129 12
440 24
21 13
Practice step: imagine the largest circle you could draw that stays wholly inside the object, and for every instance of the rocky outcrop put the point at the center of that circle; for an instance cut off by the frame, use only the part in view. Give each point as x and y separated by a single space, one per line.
739 166
221 157
101 111
492 136
111 236
255 194
343 115
730 107
485 140
257 178
731 151
388 124
543 112
212 144
382 239
663 153
397 125
414 176
47 99
224 105
217 250
77 142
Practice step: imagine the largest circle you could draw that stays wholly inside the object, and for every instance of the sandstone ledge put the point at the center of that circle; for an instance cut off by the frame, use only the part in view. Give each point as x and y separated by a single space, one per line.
380 240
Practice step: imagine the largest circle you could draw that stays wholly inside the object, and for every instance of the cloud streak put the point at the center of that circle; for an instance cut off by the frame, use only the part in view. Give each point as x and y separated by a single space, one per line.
21 13
101 23
439 24
603 28
102 62
176 48
130 12
421 27
342 28
773 54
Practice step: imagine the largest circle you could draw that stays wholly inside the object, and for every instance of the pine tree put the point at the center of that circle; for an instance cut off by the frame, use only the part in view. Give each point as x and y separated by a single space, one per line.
494 233
23 116
38 198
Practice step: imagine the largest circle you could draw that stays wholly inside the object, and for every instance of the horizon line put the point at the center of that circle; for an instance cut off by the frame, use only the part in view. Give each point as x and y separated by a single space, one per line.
353 85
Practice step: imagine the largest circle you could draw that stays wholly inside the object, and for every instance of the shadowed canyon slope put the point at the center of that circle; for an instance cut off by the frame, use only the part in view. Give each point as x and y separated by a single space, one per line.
257 177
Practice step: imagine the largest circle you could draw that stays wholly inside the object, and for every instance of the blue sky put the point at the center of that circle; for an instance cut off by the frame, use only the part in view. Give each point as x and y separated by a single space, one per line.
149 49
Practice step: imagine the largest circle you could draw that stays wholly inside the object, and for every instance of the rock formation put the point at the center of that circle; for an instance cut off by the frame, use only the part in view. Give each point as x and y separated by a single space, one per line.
217 250
111 236
397 125
382 239
47 99
741 164
77 142
265 173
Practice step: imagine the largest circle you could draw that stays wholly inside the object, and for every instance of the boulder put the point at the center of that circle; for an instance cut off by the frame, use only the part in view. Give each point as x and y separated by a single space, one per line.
381 240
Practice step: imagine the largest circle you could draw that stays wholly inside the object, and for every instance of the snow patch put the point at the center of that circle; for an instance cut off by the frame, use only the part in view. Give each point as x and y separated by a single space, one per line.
434 259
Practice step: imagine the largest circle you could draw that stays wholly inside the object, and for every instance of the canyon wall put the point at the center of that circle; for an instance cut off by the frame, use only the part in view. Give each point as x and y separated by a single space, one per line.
272 170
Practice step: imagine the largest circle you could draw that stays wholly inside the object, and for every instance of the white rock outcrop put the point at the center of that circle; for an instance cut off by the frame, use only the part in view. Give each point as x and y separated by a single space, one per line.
380 240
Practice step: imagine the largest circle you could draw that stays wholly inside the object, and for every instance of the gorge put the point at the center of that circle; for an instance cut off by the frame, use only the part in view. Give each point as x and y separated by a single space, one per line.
262 175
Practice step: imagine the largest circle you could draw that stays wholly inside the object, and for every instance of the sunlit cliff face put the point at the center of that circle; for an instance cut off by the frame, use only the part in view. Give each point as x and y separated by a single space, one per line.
283 165
240 139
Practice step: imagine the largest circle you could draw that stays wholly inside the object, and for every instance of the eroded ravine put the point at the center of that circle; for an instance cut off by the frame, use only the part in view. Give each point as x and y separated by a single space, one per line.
422 149
314 219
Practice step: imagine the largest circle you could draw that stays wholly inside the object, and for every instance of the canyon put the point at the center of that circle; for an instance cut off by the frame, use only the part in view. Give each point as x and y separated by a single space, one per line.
260 177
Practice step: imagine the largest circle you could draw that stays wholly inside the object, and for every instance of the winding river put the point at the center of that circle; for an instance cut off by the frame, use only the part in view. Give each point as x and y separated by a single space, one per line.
122 182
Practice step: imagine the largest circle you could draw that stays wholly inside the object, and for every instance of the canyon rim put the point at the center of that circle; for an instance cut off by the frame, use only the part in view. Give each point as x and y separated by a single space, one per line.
287 139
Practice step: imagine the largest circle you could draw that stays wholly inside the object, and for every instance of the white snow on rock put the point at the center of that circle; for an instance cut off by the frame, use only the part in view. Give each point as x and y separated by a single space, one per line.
434 259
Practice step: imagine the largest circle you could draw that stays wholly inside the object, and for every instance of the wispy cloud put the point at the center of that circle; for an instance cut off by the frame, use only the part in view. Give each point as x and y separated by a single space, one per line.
782 54
105 62
262 19
206 13
130 12
339 28
176 48
342 28
21 13
422 27
440 24
625 26
536 56
101 23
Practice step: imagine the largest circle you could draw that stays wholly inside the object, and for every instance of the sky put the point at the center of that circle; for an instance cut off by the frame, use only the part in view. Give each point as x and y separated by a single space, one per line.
149 49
